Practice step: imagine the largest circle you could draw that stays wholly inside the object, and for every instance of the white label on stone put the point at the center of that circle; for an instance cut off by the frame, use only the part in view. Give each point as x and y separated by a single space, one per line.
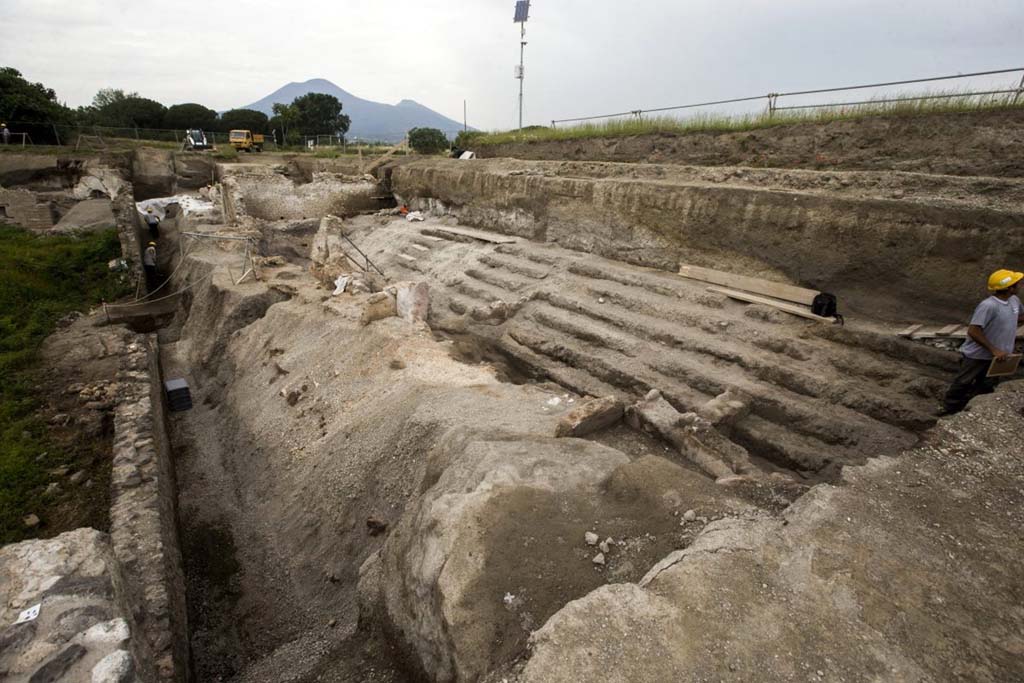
31 614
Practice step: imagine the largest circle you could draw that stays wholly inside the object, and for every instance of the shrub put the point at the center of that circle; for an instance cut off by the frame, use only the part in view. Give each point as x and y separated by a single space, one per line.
427 140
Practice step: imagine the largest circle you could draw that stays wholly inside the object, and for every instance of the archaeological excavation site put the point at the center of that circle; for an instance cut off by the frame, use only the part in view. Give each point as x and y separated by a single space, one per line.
558 413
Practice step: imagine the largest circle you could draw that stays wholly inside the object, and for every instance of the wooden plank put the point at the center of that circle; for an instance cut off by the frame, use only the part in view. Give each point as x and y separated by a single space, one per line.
492 237
948 330
909 331
406 257
775 303
776 290
419 247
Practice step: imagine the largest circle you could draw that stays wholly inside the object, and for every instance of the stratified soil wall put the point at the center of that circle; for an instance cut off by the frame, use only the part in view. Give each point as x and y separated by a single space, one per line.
985 143
883 242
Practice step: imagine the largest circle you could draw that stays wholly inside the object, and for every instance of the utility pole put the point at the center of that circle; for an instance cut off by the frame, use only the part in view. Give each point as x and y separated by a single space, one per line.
465 121
522 14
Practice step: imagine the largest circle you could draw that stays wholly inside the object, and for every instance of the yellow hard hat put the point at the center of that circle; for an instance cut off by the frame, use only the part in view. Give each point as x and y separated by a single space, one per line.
1003 279
152 244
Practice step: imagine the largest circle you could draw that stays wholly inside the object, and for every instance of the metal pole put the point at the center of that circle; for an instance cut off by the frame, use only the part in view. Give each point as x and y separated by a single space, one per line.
522 74
465 120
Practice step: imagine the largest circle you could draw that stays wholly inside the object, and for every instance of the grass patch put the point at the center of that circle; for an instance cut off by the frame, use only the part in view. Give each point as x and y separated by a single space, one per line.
700 123
42 279
226 152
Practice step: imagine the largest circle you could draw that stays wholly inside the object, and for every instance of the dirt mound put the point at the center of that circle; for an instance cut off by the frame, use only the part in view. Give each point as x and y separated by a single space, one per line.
972 144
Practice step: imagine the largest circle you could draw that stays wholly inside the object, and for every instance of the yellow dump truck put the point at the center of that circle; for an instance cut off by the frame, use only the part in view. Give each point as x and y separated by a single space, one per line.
246 140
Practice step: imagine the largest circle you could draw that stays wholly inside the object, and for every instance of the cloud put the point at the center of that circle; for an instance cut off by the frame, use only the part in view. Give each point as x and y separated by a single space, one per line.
583 57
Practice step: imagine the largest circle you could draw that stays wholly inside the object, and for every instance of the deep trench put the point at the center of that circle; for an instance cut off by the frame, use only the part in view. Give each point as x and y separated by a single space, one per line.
243 620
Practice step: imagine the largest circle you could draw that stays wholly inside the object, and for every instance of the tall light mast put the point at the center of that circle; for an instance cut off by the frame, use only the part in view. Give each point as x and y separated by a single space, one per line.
522 14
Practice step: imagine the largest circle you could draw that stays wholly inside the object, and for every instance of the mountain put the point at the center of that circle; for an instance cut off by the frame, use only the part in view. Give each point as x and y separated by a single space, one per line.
370 120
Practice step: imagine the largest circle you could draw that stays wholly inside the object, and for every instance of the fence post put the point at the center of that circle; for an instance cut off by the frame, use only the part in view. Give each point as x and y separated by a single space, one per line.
553 122
1020 90
56 134
772 103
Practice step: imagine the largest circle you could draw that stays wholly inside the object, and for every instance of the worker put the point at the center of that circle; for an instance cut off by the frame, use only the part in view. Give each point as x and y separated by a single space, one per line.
6 133
149 265
991 333
153 222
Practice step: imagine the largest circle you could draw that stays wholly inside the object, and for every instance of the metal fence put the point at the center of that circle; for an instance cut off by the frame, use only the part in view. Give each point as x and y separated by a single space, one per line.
1013 94
63 134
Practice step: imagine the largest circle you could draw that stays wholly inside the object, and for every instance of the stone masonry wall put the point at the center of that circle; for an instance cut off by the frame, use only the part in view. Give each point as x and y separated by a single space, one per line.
144 529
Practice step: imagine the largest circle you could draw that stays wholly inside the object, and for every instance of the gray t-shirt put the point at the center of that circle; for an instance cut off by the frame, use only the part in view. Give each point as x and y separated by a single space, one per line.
998 319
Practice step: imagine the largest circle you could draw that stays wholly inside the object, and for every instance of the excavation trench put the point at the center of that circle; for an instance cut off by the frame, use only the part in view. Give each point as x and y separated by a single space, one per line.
389 497
370 493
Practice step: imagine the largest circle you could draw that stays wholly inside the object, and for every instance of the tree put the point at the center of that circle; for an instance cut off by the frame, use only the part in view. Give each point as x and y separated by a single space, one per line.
284 121
115 108
107 97
427 140
23 104
191 115
244 119
24 101
317 113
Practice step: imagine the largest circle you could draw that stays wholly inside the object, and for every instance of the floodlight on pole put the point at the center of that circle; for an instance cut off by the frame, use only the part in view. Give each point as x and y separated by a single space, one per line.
522 14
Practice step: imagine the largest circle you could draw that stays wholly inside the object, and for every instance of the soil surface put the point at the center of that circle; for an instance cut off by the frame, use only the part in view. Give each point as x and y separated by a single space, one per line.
80 363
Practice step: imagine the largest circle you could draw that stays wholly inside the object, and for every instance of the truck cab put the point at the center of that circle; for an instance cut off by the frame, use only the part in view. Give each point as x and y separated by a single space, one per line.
246 140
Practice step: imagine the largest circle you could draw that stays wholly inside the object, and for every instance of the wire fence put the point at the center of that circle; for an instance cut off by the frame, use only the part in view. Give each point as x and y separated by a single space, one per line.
771 100
24 133
46 132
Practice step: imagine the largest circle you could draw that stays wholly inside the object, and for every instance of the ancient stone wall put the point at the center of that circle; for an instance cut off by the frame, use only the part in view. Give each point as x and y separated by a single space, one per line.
144 519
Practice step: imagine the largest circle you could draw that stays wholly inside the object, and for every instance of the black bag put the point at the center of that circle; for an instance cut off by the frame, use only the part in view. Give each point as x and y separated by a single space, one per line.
826 305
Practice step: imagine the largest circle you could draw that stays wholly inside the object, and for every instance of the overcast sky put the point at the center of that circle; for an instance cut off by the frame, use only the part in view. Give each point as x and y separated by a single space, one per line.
584 57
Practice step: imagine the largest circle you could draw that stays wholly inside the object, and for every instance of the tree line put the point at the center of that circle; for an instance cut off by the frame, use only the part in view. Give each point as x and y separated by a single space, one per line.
34 108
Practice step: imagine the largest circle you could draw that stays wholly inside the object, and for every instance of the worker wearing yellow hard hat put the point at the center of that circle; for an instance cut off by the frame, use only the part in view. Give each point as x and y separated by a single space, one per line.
991 335
1003 279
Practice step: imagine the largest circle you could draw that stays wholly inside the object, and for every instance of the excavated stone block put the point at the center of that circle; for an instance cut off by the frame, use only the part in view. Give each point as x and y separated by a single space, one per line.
378 306
413 301
435 564
590 416
71 577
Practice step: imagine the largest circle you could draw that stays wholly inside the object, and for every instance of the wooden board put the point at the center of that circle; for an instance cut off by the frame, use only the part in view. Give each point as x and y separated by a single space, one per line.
776 290
781 305
910 330
1005 367
492 237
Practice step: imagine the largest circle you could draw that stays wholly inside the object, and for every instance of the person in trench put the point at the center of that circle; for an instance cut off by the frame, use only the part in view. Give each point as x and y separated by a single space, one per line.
153 223
149 265
991 333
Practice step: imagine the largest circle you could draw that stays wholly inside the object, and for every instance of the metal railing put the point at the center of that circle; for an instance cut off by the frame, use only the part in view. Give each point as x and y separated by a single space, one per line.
772 99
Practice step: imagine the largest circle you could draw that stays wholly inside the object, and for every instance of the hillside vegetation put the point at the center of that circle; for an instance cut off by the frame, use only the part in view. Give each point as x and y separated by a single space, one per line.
619 127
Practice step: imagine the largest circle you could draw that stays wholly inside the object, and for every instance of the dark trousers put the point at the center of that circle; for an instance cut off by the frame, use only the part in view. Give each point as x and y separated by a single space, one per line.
152 277
968 383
